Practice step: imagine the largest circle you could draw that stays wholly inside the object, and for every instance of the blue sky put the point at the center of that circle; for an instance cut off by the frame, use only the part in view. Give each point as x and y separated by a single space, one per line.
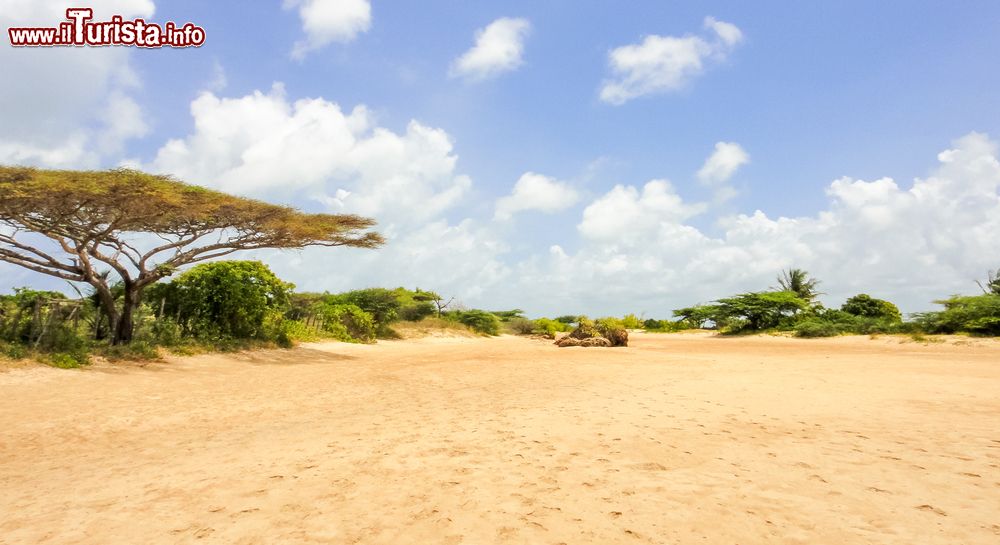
809 92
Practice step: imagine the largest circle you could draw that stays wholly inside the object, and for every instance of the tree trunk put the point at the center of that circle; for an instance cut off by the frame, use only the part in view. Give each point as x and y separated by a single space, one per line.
126 325
107 301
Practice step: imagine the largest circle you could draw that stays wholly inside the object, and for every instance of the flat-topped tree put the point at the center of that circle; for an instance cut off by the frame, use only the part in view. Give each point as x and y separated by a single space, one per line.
144 227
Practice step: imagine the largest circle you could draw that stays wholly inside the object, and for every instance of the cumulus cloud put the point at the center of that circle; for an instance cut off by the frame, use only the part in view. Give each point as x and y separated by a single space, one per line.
328 21
265 145
626 212
720 167
638 247
666 63
85 120
465 259
310 151
499 48
536 192
909 244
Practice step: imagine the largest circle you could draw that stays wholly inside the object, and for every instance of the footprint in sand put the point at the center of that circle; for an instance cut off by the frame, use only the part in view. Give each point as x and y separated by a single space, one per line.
932 509
649 466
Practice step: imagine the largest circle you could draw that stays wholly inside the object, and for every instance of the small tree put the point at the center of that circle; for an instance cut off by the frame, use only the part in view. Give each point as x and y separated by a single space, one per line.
760 310
869 307
73 224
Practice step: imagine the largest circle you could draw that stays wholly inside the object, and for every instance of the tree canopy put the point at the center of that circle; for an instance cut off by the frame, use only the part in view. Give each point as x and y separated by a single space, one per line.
143 227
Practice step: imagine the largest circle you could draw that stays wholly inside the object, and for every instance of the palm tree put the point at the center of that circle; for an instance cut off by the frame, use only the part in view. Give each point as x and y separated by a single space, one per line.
992 286
798 281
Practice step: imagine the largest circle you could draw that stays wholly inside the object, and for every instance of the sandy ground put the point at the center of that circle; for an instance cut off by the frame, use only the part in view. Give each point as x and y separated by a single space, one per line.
678 439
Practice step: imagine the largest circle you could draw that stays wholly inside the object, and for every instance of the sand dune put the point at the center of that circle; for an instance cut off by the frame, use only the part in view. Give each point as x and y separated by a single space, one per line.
677 439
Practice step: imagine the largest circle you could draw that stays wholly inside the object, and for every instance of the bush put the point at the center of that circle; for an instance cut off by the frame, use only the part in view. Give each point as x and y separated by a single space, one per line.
415 305
227 299
665 326
134 351
480 321
816 327
348 322
13 351
869 307
65 360
549 328
613 330
568 319
979 314
631 321
521 326
381 303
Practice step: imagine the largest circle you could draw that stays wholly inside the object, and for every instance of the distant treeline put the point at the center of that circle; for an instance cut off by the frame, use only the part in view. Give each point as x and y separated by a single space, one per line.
233 304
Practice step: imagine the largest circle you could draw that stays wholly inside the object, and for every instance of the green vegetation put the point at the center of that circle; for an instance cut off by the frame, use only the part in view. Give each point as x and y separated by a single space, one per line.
977 314
793 308
549 328
754 311
798 282
224 299
869 307
222 305
230 305
81 226
480 321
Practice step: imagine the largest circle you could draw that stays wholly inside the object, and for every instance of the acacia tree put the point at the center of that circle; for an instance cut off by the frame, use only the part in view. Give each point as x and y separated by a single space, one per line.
75 224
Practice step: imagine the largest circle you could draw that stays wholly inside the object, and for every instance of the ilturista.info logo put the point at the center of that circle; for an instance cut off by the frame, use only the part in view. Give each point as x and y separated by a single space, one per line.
80 29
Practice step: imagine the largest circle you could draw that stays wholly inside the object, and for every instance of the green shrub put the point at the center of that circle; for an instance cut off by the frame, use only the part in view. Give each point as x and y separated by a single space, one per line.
134 351
480 321
348 322
415 305
227 299
869 307
66 360
382 304
13 351
978 314
612 329
521 326
549 328
816 327
568 319
665 326
631 321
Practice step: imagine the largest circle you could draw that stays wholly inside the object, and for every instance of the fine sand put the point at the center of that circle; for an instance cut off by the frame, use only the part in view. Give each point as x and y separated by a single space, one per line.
685 439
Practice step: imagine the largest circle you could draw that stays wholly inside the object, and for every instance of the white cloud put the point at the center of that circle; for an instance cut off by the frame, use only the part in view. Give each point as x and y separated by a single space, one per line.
729 33
265 145
328 21
536 192
908 244
499 48
463 259
720 167
624 213
219 80
75 130
665 63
